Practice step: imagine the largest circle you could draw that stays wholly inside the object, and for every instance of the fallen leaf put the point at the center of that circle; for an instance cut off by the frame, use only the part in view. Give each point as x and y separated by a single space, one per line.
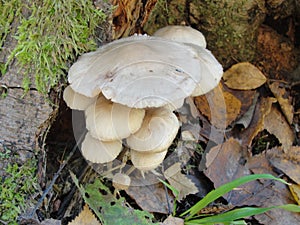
287 162
230 162
150 195
281 95
246 119
85 217
224 163
262 109
173 221
275 123
295 190
108 208
180 181
244 76
220 107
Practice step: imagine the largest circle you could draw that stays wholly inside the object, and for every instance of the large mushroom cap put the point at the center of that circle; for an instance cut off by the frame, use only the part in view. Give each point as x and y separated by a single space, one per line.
183 34
211 71
142 71
147 161
77 101
157 132
98 151
109 121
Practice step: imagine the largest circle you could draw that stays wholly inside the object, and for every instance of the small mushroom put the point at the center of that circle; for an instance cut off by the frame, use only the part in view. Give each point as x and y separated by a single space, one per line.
121 181
183 34
109 121
157 132
147 161
98 151
75 100
143 71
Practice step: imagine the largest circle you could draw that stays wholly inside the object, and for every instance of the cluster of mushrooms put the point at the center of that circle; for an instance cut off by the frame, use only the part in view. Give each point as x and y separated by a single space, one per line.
130 87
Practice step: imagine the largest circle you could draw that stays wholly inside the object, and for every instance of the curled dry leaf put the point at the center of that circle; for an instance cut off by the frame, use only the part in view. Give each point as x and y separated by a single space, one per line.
244 76
180 181
281 95
262 109
219 106
275 123
85 217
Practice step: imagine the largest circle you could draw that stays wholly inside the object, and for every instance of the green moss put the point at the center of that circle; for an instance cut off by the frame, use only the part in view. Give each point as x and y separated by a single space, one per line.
18 183
51 38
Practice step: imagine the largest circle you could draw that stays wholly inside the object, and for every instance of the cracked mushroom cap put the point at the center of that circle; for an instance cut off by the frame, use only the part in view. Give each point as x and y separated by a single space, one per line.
108 121
183 34
157 132
147 161
143 71
75 100
98 151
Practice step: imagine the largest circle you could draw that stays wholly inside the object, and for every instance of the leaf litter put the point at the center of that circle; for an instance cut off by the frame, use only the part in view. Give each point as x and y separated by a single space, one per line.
227 121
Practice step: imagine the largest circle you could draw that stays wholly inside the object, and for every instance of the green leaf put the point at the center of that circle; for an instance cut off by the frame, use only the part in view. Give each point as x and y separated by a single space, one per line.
225 188
231 216
109 209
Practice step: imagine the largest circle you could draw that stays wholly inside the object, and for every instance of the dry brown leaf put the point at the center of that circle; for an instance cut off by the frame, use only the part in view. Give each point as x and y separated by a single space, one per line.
173 221
276 124
230 163
287 162
149 193
285 103
180 181
295 190
220 107
244 76
262 109
224 163
85 217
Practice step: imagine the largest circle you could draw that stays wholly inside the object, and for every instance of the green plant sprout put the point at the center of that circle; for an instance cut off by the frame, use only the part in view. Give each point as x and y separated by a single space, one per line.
234 216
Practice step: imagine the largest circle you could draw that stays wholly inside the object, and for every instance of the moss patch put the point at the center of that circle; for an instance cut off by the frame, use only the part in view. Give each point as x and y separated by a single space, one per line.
18 183
50 35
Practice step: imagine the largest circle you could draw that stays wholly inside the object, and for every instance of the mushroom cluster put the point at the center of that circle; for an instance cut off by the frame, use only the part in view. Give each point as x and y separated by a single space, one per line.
130 87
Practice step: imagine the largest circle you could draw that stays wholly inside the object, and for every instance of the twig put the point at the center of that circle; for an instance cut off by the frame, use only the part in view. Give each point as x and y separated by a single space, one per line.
56 175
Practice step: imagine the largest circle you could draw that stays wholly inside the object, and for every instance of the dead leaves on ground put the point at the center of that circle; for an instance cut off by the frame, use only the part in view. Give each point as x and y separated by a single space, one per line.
228 161
85 217
234 116
265 108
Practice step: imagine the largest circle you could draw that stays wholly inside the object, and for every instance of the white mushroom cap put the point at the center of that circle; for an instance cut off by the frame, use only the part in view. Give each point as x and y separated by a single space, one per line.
142 71
147 161
157 132
109 121
211 71
75 100
183 34
121 181
98 151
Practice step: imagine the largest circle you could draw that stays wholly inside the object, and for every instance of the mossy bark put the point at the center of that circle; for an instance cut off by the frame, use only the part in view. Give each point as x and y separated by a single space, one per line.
230 27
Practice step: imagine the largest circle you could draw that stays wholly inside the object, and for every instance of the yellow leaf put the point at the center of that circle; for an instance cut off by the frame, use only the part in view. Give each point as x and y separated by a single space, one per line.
295 190
244 76
85 217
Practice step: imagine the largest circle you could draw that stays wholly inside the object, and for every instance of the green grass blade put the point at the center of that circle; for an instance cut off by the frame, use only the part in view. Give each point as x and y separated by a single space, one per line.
223 189
240 214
